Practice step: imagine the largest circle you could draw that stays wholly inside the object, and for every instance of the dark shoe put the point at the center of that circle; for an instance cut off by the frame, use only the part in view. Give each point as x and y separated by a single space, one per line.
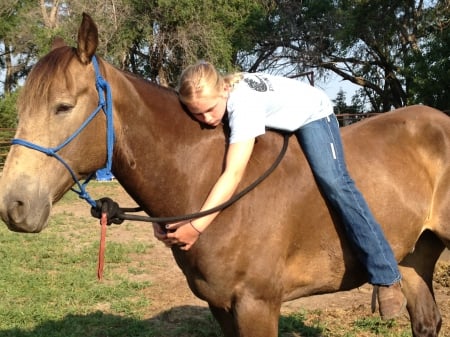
391 300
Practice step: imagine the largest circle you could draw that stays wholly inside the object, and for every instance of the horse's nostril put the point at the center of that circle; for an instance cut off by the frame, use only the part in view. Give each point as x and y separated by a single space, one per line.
25 213
17 211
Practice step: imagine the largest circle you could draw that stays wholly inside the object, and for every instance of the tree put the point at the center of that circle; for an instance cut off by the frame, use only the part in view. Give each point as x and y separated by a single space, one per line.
157 39
379 45
8 118
170 34
14 52
429 67
342 108
25 32
367 42
340 105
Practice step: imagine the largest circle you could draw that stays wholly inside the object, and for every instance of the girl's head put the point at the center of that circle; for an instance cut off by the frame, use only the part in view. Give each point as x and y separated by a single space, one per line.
198 81
204 92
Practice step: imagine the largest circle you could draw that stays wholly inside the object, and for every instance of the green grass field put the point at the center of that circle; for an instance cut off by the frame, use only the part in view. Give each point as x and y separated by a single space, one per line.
48 285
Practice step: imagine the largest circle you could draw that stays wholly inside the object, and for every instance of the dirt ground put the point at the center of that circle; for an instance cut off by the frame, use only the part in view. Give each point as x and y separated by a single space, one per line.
170 294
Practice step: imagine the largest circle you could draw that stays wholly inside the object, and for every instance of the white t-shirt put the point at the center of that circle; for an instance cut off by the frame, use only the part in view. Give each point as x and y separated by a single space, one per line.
260 100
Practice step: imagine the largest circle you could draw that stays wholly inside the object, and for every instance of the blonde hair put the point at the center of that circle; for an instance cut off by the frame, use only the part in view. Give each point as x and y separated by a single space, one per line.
202 79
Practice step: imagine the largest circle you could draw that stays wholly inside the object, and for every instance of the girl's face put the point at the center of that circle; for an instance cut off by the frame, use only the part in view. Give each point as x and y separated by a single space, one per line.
209 108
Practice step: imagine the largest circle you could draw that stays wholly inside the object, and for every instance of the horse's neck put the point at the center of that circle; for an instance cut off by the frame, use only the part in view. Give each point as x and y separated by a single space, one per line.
162 157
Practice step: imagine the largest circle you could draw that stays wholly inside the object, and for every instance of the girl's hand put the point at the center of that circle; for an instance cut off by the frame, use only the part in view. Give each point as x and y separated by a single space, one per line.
160 234
182 234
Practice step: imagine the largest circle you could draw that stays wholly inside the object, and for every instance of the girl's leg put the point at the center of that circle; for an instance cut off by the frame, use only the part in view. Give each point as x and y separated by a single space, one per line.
321 143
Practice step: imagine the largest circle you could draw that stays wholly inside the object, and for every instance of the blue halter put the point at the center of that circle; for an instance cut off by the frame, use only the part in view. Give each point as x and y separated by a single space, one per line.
106 105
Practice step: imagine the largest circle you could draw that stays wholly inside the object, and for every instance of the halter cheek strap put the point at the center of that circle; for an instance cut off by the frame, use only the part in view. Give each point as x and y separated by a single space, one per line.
105 104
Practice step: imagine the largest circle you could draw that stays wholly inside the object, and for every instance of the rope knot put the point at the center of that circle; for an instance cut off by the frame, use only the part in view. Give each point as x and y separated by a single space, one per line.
109 207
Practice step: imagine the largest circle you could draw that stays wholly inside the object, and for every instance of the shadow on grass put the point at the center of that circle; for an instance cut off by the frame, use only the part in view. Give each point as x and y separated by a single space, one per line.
184 321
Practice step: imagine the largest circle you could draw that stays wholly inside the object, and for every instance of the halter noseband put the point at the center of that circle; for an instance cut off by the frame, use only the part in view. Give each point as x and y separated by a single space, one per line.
103 89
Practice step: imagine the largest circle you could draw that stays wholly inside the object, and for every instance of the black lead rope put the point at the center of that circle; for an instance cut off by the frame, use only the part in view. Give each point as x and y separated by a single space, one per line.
117 215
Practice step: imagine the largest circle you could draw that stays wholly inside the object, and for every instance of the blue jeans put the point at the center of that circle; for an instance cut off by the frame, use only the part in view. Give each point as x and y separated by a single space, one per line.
322 145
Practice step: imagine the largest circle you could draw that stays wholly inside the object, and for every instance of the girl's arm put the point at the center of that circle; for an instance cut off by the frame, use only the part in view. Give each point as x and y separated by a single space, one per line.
237 157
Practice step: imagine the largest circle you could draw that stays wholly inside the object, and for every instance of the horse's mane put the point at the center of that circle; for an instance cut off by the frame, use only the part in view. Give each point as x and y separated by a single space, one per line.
37 85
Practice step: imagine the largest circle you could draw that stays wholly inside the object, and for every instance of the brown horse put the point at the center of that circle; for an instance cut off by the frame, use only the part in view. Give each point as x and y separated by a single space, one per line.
278 242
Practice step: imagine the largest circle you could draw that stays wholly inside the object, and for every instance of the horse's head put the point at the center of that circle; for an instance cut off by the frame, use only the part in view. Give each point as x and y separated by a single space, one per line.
58 96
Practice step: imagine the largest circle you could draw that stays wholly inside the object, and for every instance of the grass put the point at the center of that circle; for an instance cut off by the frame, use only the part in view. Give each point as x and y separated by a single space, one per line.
48 284
48 288
314 324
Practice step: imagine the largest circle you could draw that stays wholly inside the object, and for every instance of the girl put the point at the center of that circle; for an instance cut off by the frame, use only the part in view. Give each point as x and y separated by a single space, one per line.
254 101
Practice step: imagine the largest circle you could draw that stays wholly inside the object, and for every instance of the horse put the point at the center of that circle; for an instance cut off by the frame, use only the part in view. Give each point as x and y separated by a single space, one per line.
277 243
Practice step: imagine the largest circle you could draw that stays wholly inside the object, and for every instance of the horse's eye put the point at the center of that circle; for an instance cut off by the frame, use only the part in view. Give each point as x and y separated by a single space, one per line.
62 108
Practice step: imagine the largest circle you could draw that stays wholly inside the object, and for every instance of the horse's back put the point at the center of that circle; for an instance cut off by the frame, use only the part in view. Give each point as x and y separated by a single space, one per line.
425 125
401 160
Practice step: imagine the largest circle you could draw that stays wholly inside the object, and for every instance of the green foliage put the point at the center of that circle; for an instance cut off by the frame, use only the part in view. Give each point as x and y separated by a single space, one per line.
296 322
367 42
341 107
170 34
378 327
45 279
8 111
17 39
396 51
429 72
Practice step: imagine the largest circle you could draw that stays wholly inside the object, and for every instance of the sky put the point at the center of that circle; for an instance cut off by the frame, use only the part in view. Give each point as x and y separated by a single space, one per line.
335 84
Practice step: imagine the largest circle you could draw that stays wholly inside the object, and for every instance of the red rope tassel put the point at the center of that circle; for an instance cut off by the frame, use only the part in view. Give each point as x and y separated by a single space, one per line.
101 250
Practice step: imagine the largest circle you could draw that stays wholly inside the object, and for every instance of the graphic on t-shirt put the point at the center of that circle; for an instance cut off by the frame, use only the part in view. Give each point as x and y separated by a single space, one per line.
258 83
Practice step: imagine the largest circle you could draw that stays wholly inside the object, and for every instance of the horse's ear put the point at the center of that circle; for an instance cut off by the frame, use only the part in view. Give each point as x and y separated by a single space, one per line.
87 39
58 42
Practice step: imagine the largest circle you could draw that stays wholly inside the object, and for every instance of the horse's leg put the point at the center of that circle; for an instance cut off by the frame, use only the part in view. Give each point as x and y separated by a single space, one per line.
257 317
424 314
225 320
417 270
249 317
